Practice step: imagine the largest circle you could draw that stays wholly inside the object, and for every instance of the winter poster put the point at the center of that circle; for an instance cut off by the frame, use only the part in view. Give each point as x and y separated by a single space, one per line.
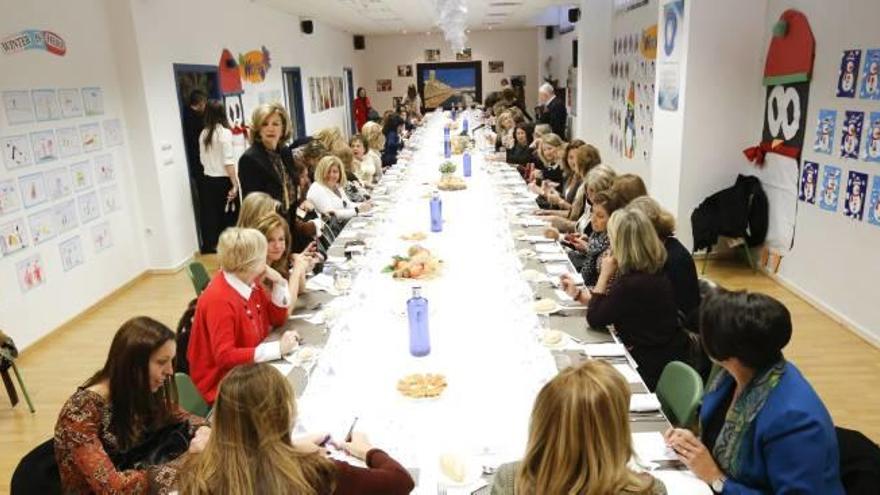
856 192
46 105
58 183
851 135
44 146
16 152
71 103
9 198
90 136
824 142
830 188
110 199
113 132
872 138
874 203
42 225
849 73
81 174
671 47
809 181
71 253
12 236
69 143
870 87
104 170
101 237
88 206
18 106
33 189
30 273
65 216
93 101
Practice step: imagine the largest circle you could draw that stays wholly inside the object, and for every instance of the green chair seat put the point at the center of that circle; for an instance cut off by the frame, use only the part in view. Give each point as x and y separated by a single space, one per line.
189 397
198 276
680 391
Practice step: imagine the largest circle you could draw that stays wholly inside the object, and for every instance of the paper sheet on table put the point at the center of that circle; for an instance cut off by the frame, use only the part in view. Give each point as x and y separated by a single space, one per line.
283 367
650 446
537 239
631 375
562 296
323 282
316 318
605 350
532 222
552 256
467 490
682 482
643 402
557 269
546 247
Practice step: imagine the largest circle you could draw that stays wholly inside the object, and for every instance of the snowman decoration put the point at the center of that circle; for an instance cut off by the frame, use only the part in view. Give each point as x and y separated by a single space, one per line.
856 199
873 149
810 186
831 190
872 79
848 80
850 140
825 135
231 89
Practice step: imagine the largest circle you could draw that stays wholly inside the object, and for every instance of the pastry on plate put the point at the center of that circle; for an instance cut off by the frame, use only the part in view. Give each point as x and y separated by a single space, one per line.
422 385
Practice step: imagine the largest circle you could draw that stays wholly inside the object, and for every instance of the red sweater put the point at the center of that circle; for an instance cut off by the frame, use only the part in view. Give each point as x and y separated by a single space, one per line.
226 330
384 476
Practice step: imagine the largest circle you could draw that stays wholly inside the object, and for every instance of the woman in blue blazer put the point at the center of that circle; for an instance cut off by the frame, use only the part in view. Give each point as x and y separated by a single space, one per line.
764 429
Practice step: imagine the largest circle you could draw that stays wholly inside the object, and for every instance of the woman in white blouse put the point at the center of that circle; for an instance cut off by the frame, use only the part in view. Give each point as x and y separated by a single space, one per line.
372 133
364 166
219 186
328 191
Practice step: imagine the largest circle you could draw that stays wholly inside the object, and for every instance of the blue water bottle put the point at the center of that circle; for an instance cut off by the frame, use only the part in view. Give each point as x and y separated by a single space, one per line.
436 212
465 125
466 163
417 311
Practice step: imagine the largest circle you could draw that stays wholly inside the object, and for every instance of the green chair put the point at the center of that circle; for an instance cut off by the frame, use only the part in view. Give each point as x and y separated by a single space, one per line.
680 390
198 276
189 397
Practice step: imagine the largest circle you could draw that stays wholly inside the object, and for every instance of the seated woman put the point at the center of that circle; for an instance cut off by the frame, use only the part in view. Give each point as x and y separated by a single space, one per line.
234 314
294 266
679 267
504 139
594 248
308 227
393 132
372 133
363 166
520 154
551 153
250 450
599 178
559 205
329 137
586 158
117 409
640 305
628 187
579 439
308 155
353 186
328 192
764 429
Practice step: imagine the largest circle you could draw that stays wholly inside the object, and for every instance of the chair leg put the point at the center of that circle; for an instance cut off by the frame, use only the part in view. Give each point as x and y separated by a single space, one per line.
705 262
24 391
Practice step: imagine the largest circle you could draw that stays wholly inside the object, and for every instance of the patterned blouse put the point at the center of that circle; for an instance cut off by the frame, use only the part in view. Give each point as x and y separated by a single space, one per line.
84 442
597 245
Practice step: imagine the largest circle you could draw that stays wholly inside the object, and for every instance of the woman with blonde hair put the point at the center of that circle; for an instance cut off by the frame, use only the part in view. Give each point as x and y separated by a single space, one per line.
554 203
372 133
353 186
579 439
586 159
641 304
552 154
235 313
267 165
328 192
329 137
279 257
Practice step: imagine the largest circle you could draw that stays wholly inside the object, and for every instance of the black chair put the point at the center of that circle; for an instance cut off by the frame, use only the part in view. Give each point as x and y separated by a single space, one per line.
37 472
859 462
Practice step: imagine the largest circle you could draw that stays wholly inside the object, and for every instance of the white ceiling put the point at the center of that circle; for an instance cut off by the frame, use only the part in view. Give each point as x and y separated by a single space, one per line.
411 16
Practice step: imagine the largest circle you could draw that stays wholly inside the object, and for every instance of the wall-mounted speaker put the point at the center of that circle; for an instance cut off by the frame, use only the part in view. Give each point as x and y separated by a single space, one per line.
548 32
307 27
574 15
359 42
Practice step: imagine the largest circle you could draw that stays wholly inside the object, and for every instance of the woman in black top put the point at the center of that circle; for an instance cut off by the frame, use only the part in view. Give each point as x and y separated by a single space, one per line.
393 142
267 165
521 154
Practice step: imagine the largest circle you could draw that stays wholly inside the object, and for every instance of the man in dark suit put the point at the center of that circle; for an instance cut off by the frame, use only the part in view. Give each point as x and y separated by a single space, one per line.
555 115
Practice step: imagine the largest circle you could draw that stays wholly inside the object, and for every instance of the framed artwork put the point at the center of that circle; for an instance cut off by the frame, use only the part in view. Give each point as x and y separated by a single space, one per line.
69 142
383 85
496 66
824 142
16 152
830 192
30 273
13 237
44 146
88 206
847 79
46 105
90 136
856 195
65 216
42 226
33 189
105 170
432 55
81 175
101 237
464 56
93 101
10 200
404 71
443 85
851 135
71 252
110 199
58 183
18 106
70 100
113 132
809 181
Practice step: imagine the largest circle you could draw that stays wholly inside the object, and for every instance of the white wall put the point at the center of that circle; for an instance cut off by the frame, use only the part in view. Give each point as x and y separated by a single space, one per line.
833 261
89 62
516 48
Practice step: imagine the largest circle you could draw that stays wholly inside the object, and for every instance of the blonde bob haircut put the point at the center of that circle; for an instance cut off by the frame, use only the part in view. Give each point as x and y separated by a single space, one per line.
261 114
372 133
634 242
554 141
241 250
579 436
324 167
255 206
600 178
664 222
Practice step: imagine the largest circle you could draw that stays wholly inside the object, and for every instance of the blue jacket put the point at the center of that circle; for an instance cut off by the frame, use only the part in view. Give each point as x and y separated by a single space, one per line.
790 448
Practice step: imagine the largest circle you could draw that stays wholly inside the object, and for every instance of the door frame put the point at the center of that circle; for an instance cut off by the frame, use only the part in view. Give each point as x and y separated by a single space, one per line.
297 100
348 77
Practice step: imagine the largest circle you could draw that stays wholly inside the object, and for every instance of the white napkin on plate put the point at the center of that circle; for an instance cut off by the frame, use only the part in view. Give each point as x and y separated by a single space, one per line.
644 403
631 375
650 446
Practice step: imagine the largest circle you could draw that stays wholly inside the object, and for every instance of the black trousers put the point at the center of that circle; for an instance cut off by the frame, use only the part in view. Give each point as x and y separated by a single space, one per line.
214 217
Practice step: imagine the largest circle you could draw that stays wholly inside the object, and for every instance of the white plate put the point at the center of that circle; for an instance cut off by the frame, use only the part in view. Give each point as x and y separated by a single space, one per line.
556 307
563 340
526 253
473 473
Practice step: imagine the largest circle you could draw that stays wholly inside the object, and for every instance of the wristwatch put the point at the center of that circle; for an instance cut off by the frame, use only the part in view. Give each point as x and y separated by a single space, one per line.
718 484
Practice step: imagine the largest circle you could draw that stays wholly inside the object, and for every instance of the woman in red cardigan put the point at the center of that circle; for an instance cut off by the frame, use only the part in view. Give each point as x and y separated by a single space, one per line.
250 449
361 108
234 314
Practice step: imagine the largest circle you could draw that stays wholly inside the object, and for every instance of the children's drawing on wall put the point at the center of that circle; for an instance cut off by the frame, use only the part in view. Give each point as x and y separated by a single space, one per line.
851 135
33 189
104 169
856 191
81 174
65 216
58 183
872 138
71 252
113 132
13 237
44 146
9 198
69 143
71 102
629 123
824 142
874 203
90 135
30 273
830 188
16 152
809 180
110 199
88 206
101 237
46 105
42 226
849 73
870 88
93 101
18 107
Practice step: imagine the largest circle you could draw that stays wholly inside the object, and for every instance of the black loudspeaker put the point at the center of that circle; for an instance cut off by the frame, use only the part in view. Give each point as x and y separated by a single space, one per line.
359 42
548 32
574 53
307 27
574 15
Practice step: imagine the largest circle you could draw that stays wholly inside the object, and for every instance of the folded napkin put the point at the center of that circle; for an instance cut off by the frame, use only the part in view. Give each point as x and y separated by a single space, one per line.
544 256
644 403
631 375
605 350
557 269
546 247
650 446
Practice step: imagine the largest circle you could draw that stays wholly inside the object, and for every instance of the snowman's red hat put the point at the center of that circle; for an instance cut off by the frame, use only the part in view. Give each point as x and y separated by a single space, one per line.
230 76
791 52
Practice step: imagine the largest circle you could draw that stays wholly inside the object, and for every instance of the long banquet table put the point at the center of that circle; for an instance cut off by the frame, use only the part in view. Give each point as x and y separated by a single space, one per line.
485 335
